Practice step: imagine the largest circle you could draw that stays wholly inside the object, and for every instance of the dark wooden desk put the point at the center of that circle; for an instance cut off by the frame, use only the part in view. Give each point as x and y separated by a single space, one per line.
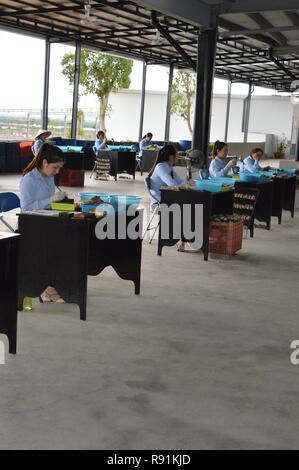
9 245
213 203
120 162
63 252
289 195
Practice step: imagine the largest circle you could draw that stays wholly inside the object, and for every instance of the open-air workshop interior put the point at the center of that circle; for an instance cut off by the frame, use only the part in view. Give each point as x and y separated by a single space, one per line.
149 275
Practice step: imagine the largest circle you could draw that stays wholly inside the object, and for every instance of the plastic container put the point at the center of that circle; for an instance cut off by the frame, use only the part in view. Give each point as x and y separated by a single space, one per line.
125 201
229 181
61 206
86 196
209 185
288 171
249 178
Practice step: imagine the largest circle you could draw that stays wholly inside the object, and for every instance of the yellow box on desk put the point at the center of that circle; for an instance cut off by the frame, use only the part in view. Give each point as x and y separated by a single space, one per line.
62 206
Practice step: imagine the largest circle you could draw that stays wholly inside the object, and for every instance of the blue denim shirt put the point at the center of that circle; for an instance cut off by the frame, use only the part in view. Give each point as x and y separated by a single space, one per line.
163 175
250 165
218 167
36 191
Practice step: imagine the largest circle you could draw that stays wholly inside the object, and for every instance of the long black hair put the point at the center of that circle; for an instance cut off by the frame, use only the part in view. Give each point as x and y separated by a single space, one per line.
163 156
48 152
217 147
149 134
99 133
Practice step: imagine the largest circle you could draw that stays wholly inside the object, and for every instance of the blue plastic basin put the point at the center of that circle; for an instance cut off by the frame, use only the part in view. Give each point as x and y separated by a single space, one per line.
126 201
103 196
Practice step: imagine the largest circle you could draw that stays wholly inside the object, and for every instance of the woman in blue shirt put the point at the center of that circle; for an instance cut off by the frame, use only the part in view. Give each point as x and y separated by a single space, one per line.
218 167
100 143
40 139
145 142
37 190
162 173
251 163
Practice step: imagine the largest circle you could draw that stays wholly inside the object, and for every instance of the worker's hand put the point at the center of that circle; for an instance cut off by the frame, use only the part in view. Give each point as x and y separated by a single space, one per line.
231 163
267 168
58 196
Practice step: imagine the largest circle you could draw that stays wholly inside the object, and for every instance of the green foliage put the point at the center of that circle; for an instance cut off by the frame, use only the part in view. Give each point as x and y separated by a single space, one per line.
282 145
183 91
100 74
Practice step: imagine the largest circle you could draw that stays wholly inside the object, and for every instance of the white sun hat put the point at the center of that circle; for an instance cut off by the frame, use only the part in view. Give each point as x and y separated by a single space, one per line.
42 131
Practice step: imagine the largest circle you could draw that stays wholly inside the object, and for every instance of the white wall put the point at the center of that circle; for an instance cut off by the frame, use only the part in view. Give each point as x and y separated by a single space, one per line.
269 114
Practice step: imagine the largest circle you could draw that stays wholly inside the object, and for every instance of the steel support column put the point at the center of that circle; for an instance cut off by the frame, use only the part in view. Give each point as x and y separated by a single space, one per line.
44 123
168 107
76 90
246 112
229 93
205 75
142 100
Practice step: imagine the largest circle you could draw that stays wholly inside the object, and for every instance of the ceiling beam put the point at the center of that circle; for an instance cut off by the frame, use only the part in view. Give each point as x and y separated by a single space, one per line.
281 66
231 26
193 11
264 23
249 32
36 11
251 6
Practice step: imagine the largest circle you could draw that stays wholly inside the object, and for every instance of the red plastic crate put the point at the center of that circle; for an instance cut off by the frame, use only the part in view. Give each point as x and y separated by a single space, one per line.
225 237
25 149
71 178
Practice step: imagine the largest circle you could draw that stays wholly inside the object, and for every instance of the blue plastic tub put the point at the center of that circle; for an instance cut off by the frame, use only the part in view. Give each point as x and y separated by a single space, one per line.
249 178
103 196
125 201
229 181
208 185
288 171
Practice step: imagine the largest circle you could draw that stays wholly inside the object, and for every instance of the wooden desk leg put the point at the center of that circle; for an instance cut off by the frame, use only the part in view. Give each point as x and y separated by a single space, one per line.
82 311
12 341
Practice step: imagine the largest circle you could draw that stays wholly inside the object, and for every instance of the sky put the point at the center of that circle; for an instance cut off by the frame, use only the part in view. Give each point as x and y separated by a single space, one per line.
21 79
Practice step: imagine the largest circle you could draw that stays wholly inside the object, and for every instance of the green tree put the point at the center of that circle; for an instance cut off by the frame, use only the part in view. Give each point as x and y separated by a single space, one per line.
100 74
183 91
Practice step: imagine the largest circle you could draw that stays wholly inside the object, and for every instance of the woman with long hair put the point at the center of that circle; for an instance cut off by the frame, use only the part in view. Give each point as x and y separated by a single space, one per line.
162 173
37 190
145 142
218 166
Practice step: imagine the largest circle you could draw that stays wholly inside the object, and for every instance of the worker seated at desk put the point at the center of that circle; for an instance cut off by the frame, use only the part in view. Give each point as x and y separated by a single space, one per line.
162 174
251 163
100 143
40 138
145 143
37 191
218 166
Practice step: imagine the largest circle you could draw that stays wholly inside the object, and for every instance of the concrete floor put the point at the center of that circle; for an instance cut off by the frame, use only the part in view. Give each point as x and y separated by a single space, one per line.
200 360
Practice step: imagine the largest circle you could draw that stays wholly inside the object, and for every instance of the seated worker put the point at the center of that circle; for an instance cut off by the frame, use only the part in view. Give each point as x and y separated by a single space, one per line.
162 173
252 162
37 190
145 142
218 166
40 139
100 143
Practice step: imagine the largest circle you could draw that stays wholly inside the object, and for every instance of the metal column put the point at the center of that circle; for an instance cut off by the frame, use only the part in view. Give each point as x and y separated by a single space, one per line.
246 112
76 89
229 93
44 123
142 100
205 75
168 107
